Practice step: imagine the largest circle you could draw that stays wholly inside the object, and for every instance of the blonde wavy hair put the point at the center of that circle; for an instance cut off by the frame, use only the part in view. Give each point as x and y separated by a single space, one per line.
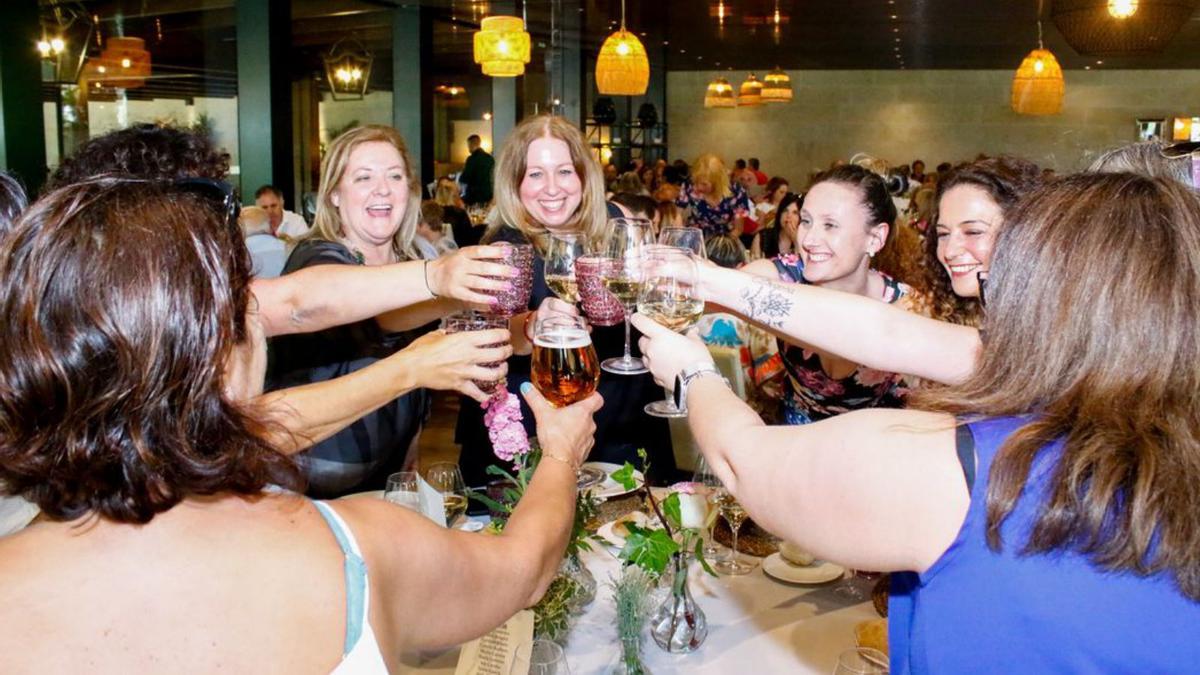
327 224
710 169
592 214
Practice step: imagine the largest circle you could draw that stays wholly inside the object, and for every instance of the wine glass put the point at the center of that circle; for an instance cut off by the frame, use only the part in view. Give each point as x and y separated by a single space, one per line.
623 247
861 661
686 238
402 490
561 253
564 366
712 485
735 515
539 657
670 280
447 479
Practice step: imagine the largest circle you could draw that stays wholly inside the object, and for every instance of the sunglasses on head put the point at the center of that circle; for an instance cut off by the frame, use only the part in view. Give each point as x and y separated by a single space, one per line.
217 192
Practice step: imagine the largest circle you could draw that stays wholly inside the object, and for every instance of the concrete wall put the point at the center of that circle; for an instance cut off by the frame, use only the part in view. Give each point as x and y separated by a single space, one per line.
934 115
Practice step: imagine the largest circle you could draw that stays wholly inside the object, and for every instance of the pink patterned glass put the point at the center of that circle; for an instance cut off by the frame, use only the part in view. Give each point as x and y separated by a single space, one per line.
601 306
472 321
516 299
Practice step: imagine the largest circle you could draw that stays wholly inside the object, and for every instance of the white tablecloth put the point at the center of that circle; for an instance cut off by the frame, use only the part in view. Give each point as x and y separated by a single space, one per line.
754 624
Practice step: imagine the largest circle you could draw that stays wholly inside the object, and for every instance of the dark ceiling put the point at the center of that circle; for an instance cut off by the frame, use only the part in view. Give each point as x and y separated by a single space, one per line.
193 41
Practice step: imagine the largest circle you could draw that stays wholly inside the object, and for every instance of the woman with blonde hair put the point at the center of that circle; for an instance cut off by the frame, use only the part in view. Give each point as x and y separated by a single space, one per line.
453 213
548 183
367 213
714 203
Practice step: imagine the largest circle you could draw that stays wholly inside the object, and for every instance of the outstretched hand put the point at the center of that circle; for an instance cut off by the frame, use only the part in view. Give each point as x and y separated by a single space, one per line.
666 352
566 433
458 361
469 273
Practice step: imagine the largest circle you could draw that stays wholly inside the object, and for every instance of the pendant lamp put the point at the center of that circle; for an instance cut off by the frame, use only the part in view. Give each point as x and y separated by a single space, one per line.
719 94
1120 27
777 87
750 93
622 68
502 46
1037 86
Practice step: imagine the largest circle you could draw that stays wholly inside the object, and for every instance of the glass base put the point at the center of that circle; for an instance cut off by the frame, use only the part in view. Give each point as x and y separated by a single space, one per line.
624 366
733 567
664 409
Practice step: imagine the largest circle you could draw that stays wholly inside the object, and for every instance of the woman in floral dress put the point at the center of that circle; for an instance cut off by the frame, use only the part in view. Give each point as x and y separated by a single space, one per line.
714 203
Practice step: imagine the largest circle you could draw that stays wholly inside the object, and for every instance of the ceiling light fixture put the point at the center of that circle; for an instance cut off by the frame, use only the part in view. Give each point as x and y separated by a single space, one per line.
502 46
622 67
1037 86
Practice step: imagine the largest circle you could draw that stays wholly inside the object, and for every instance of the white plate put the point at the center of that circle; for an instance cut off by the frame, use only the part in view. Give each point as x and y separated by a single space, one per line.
819 572
609 534
611 488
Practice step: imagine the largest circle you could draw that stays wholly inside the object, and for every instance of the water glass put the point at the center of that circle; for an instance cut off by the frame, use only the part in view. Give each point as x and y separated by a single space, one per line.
516 298
402 490
861 661
539 657
602 308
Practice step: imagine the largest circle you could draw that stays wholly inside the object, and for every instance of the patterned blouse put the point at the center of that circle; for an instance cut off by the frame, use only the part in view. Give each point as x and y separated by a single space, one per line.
810 393
714 220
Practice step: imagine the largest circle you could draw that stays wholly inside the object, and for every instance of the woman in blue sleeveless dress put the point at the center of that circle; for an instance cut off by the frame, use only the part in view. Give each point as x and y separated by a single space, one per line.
1041 514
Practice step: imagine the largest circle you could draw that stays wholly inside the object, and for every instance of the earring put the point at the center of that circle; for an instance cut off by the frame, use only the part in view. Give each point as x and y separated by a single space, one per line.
870 254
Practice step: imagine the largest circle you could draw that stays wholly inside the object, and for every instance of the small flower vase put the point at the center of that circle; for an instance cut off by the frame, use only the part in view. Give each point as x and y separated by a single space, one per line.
629 661
574 569
679 625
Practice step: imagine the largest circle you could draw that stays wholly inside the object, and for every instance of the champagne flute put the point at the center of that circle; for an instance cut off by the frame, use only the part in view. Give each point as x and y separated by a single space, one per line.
669 297
712 486
623 247
447 479
561 253
686 238
735 515
539 657
402 490
564 366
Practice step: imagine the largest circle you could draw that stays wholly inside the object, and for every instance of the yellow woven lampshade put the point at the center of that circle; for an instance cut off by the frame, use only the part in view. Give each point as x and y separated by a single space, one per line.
1037 87
777 87
502 46
751 92
719 94
1122 9
622 68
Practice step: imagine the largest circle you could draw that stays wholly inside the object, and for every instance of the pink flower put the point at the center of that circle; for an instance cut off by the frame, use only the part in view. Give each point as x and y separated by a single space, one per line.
503 421
685 487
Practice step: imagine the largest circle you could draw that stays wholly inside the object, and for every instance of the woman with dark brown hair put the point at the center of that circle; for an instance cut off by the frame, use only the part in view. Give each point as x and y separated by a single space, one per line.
171 538
1043 512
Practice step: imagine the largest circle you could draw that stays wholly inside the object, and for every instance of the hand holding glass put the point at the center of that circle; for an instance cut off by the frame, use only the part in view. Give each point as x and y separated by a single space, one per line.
565 368
669 296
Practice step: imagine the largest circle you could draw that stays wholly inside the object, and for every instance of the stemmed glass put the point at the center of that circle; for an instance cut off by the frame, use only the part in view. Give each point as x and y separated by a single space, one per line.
686 238
670 280
539 657
564 366
622 250
735 515
402 490
447 479
561 253
712 485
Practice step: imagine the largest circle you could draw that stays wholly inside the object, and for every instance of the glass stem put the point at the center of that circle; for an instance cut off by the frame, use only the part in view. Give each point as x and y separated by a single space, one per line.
628 356
734 554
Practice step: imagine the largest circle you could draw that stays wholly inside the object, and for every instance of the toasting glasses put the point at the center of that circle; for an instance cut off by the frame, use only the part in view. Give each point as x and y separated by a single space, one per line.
623 251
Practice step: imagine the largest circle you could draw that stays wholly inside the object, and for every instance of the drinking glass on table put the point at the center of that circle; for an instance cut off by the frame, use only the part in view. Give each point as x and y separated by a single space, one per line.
669 296
712 487
861 661
564 368
623 249
402 489
561 252
447 479
539 657
735 515
686 238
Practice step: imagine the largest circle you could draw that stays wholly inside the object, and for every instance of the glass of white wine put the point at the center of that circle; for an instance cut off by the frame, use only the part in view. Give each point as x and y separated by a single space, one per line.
735 515
685 238
669 296
402 490
623 249
447 479
561 253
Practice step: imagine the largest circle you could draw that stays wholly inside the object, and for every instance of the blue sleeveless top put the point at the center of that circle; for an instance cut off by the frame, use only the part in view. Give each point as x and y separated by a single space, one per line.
976 610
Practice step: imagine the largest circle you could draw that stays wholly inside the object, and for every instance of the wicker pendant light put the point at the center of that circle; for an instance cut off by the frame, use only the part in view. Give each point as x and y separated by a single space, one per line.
719 94
1037 86
750 93
777 87
1120 27
622 68
502 46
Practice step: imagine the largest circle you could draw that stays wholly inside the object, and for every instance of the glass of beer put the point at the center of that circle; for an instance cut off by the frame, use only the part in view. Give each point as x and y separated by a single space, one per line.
669 296
561 253
565 367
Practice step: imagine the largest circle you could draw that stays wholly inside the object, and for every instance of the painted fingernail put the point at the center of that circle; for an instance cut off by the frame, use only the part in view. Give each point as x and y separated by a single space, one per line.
526 387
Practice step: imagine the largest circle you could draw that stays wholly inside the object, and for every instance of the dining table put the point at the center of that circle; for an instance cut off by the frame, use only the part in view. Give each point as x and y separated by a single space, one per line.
754 623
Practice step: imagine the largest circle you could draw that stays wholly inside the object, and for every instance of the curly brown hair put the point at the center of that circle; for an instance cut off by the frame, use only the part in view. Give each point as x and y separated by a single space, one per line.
124 300
152 151
1005 179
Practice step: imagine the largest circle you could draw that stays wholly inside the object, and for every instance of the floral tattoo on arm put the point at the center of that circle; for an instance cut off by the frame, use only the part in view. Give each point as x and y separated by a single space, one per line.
766 303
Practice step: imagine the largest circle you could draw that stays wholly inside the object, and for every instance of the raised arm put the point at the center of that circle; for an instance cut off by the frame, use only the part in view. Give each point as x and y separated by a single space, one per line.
875 489
875 334
299 417
321 296
436 587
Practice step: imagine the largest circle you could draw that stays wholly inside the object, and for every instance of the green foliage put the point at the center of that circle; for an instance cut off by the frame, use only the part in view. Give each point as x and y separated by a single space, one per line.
625 477
648 549
672 510
632 594
552 614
